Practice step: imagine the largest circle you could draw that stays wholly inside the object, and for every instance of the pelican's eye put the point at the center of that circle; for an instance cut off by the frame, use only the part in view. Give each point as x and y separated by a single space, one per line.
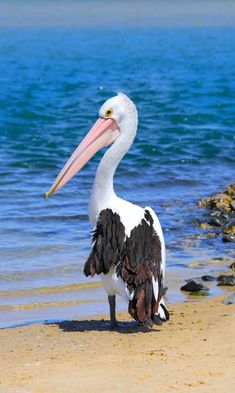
109 112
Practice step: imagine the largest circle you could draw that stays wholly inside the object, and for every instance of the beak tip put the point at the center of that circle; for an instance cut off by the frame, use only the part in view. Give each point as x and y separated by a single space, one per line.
46 195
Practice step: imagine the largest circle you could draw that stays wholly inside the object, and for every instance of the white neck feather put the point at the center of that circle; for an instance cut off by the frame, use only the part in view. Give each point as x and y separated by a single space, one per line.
103 195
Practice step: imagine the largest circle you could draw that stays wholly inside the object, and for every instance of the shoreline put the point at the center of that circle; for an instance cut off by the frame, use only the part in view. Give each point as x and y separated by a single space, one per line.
88 299
191 353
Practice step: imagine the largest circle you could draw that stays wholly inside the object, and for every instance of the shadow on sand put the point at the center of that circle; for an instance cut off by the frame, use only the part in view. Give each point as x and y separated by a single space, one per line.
102 326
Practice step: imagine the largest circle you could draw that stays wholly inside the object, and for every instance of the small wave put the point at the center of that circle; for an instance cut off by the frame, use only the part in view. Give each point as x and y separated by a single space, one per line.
36 305
51 289
50 218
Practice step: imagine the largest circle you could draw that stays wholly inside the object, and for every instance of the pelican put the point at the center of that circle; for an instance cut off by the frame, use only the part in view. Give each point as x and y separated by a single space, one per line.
128 249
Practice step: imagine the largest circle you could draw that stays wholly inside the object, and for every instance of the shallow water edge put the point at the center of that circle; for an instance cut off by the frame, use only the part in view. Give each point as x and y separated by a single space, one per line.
66 302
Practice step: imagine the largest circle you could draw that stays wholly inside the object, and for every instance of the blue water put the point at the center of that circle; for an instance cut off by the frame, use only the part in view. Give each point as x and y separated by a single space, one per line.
52 83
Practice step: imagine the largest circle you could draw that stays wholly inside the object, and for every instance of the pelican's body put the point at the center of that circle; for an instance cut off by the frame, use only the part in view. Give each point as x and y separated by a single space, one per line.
112 283
131 216
122 229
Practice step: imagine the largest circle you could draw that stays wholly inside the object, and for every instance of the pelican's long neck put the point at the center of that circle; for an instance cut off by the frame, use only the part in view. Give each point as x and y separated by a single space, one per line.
103 183
103 193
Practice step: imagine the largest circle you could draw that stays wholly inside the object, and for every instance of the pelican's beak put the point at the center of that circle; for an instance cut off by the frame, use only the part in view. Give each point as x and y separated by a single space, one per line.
103 132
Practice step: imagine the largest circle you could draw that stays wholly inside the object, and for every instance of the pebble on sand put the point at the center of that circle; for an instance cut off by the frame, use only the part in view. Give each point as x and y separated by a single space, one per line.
230 299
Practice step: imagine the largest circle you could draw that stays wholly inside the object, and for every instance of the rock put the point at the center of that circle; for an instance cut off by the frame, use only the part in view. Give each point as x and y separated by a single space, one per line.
225 280
204 225
214 200
232 266
230 299
224 205
230 189
222 201
208 278
221 208
194 285
230 229
228 238
205 202
217 218
232 204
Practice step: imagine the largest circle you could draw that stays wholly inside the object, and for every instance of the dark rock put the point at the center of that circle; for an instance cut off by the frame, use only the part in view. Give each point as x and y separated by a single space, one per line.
208 278
226 280
232 266
217 218
230 299
194 285
228 238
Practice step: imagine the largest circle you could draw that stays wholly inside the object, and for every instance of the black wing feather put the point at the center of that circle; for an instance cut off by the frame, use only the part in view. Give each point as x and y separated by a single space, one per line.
141 262
107 244
137 259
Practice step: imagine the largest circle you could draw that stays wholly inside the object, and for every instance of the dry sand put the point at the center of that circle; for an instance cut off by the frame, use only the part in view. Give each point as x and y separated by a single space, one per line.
194 352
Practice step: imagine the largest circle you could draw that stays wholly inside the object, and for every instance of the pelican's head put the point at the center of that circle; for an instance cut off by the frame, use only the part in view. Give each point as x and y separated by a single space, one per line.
119 108
117 116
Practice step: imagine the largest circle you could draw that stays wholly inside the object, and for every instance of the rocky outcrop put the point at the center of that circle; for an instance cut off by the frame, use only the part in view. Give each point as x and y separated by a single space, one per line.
221 209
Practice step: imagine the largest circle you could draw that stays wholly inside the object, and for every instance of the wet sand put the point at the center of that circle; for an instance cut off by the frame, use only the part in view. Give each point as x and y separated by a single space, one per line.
193 352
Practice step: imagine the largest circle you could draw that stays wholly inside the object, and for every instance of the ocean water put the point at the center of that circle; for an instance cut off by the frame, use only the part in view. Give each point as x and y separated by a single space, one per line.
53 81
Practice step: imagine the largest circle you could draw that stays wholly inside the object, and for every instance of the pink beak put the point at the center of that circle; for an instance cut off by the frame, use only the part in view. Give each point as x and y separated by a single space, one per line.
103 132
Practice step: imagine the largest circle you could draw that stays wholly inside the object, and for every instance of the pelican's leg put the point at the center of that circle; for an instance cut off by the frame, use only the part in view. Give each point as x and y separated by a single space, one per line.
112 307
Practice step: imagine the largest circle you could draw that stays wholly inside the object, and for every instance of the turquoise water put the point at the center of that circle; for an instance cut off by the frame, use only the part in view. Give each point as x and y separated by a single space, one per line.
53 81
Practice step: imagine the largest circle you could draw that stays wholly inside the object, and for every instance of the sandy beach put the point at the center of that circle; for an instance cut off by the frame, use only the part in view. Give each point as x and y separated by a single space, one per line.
193 352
